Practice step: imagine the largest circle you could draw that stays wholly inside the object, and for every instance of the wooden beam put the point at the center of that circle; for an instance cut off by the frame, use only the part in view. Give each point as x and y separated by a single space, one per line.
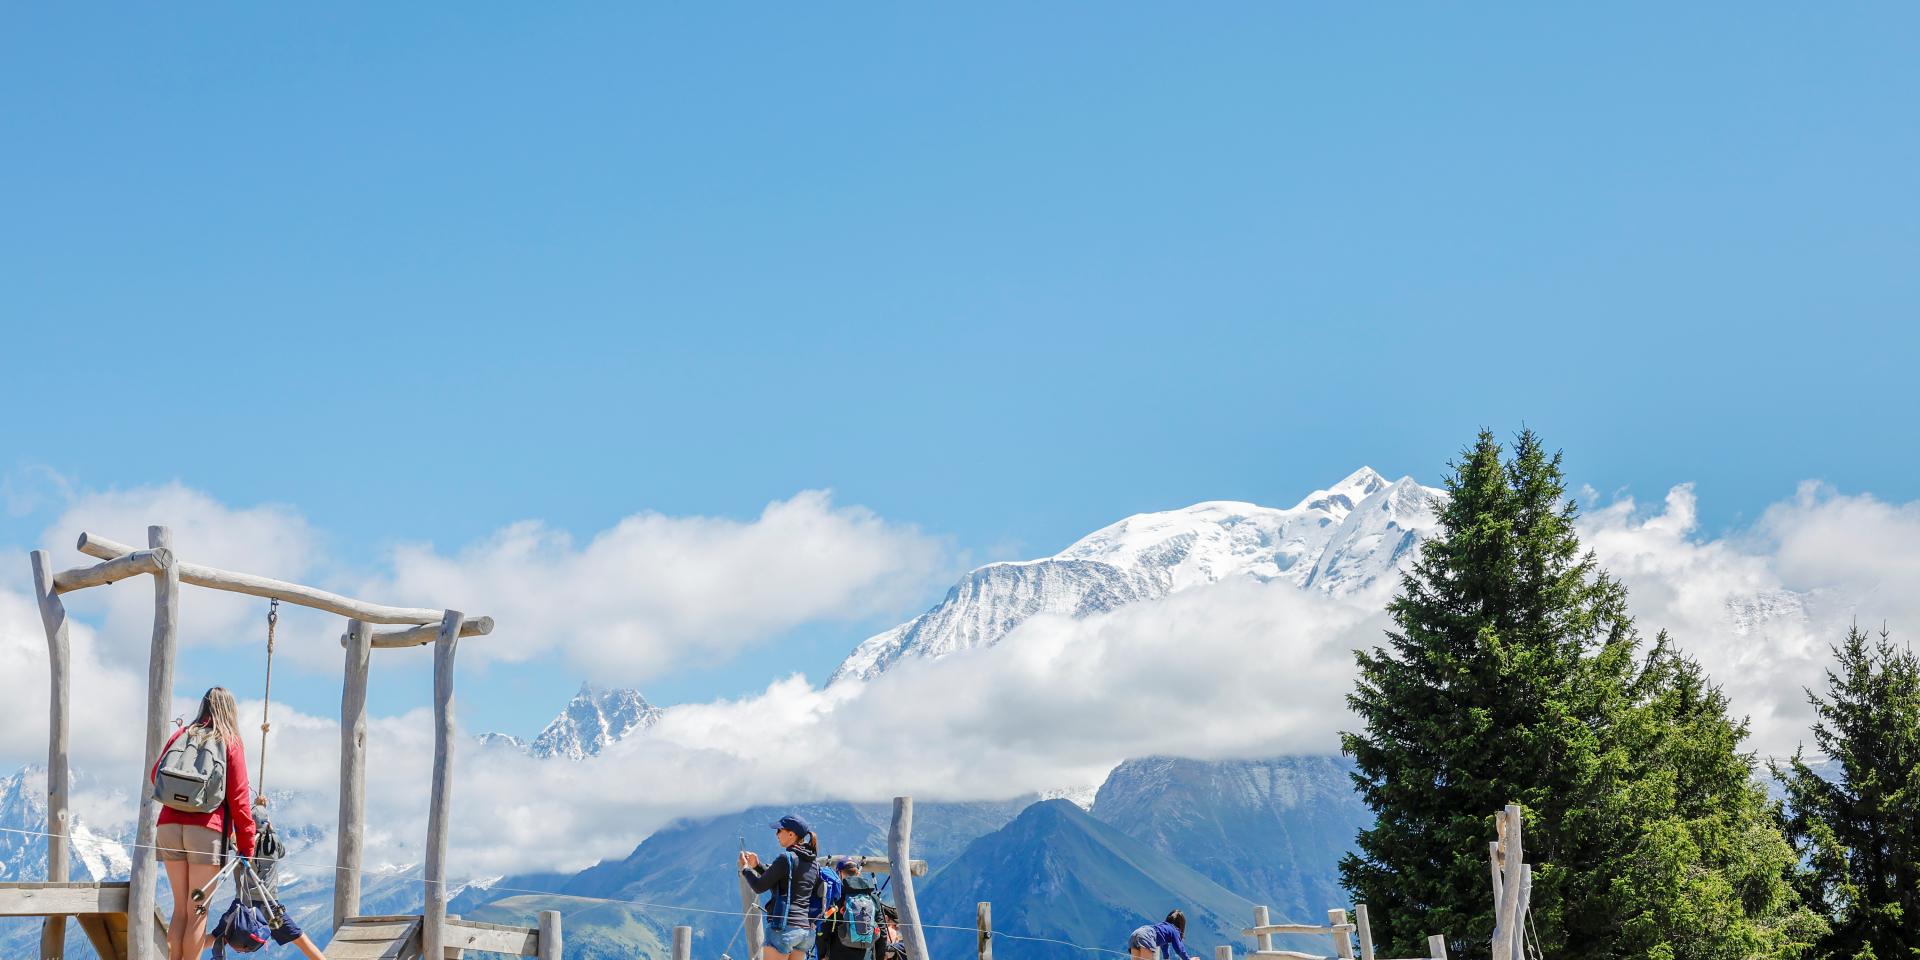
1290 954
349 833
440 805
1437 947
213 578
53 617
1365 931
424 634
876 864
112 571
141 888
552 945
1263 938
899 845
1223 953
61 899
682 944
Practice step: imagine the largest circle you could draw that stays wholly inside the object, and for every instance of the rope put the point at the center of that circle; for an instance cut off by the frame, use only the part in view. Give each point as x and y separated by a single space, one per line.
266 704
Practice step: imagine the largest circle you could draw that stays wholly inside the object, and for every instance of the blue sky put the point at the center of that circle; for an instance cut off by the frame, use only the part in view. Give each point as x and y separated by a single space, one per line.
1005 274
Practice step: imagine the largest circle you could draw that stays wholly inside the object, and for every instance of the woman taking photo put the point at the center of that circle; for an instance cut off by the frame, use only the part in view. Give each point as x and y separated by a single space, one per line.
193 823
792 879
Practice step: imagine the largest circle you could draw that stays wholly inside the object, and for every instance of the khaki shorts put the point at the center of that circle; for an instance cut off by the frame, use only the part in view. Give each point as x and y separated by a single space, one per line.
180 841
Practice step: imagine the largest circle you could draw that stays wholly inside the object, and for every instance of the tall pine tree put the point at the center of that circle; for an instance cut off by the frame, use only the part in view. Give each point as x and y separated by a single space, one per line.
1514 673
1856 821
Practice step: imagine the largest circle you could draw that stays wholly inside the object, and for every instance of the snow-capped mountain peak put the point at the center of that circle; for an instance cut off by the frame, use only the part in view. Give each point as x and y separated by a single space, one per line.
593 721
1338 541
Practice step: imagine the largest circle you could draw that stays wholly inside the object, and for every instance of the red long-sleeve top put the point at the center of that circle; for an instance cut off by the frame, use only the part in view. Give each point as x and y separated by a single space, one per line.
239 799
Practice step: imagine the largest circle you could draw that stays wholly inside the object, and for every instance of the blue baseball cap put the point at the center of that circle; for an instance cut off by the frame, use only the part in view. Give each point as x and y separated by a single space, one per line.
791 822
844 864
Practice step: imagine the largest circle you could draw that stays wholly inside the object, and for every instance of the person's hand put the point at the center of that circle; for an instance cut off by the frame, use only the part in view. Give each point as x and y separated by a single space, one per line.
749 860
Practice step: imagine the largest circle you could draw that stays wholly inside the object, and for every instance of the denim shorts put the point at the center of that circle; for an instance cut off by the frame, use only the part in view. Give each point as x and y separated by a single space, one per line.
1143 939
785 939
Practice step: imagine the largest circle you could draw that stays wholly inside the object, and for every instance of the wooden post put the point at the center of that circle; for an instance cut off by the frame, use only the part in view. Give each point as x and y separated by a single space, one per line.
1520 915
1513 855
53 616
1366 931
142 886
1223 953
750 920
351 830
1262 942
682 944
983 924
1342 939
551 944
1437 947
1494 854
899 844
439 810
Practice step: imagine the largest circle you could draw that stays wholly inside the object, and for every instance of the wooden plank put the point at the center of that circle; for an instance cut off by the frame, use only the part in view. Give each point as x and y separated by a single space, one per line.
899 845
1437 947
53 618
142 888
1292 954
492 938
94 545
1365 930
440 804
1273 928
377 938
352 823
61 899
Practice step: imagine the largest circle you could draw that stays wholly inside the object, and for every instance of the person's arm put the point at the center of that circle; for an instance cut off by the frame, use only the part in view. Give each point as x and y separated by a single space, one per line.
240 801
768 876
1175 947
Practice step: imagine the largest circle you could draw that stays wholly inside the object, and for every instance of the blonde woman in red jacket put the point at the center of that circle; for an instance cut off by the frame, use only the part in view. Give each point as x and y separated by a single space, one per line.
189 843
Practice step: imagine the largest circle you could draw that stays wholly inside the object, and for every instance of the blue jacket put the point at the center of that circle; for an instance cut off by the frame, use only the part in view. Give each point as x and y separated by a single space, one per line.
1166 936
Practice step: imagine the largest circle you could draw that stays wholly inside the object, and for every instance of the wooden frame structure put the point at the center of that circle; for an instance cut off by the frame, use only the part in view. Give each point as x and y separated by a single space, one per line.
417 627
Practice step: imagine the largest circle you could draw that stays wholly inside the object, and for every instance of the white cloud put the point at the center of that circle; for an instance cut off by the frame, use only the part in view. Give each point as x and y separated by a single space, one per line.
655 592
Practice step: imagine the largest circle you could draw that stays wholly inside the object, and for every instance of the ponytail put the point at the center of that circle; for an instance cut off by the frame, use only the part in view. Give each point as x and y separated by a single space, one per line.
812 843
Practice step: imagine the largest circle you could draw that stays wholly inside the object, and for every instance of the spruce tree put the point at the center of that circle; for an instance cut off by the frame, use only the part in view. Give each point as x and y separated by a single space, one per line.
1514 673
1856 821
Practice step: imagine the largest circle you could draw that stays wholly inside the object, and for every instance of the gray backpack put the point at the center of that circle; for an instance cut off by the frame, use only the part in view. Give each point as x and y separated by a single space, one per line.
192 775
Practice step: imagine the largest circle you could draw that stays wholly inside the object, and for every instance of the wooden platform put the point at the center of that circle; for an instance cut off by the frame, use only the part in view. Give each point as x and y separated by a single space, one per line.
398 938
99 908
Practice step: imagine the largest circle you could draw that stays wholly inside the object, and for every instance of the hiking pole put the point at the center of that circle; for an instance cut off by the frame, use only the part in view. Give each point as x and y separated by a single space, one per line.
200 894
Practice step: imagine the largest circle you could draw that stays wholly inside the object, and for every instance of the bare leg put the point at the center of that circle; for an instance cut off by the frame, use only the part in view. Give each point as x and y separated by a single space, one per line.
196 939
306 946
771 952
182 908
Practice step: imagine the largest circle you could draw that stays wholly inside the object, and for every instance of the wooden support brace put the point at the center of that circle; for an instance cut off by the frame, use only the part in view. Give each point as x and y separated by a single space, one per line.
143 884
351 830
112 571
424 634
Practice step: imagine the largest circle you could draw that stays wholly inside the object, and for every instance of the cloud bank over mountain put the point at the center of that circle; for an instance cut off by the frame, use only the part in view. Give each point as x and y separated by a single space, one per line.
1253 662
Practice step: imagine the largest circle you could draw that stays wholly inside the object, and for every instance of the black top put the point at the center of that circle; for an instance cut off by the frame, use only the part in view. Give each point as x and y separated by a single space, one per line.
792 878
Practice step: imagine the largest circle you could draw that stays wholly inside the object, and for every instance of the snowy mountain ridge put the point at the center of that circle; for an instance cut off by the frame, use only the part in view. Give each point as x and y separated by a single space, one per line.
1340 541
